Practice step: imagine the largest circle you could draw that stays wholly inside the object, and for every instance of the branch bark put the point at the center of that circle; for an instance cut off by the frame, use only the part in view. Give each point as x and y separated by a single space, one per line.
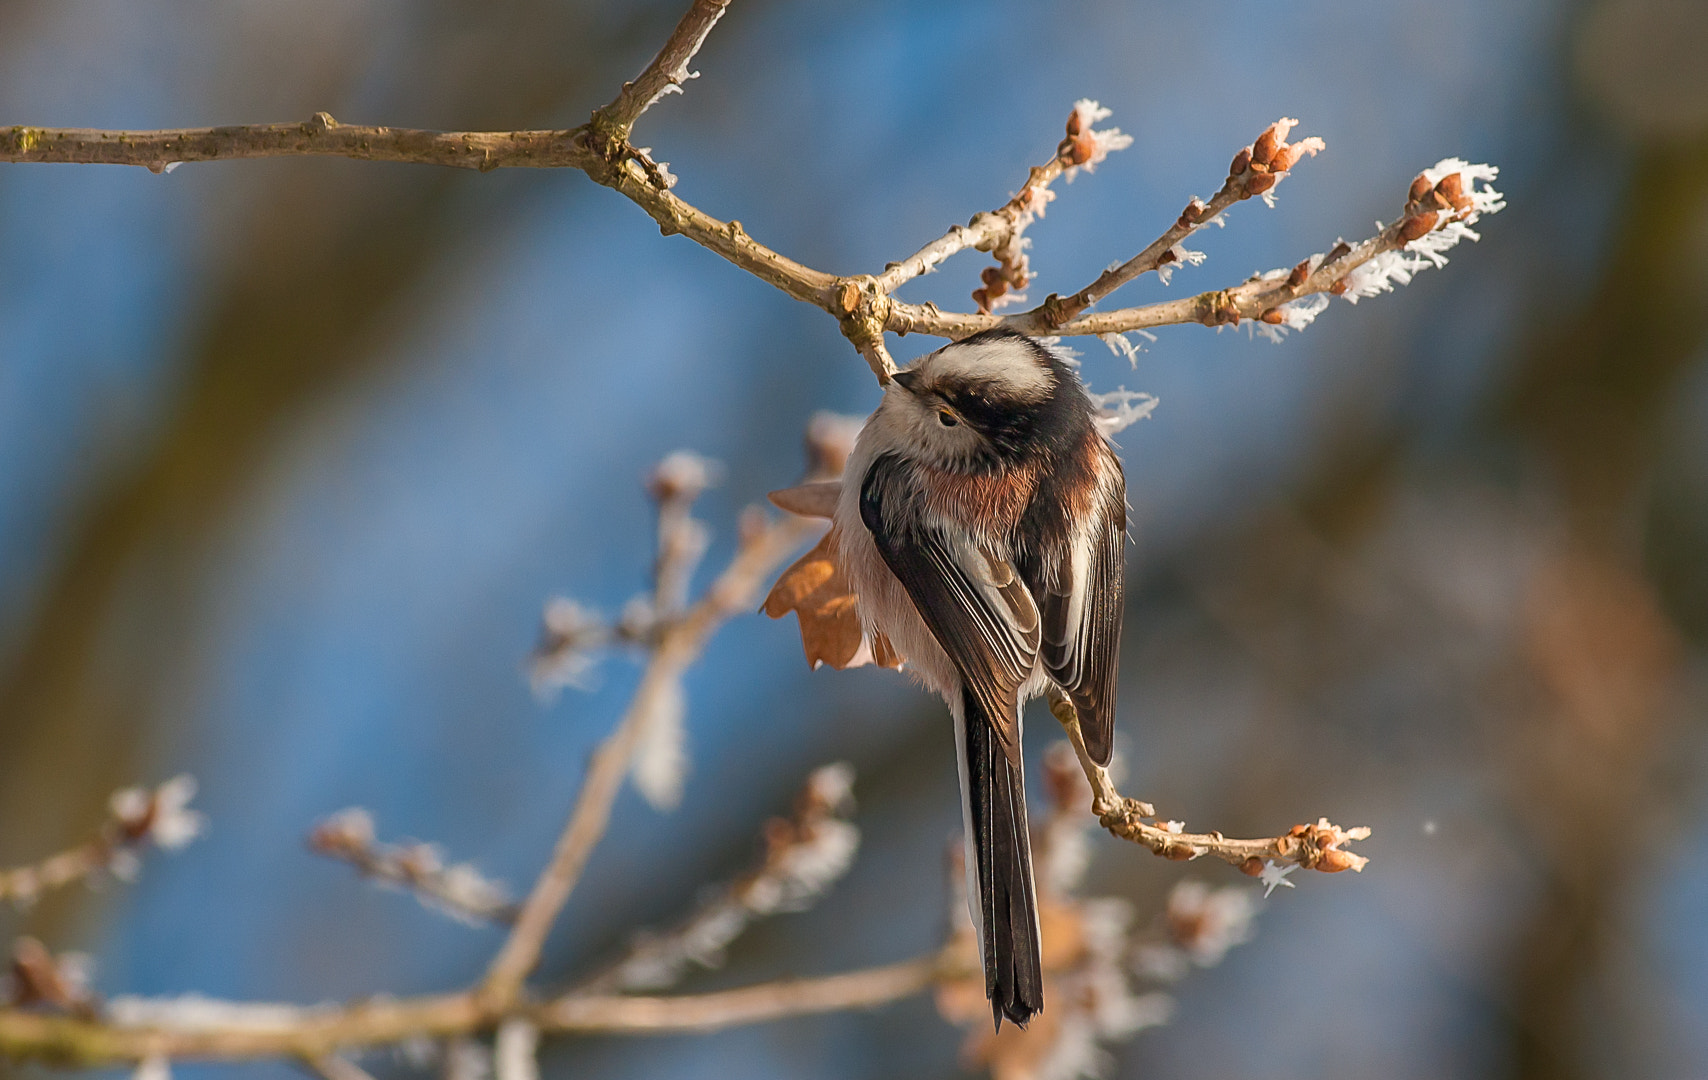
668 70
763 549
216 1031
1314 847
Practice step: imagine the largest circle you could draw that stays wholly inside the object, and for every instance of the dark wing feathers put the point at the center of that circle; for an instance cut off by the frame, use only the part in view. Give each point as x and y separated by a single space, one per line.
977 608
1081 610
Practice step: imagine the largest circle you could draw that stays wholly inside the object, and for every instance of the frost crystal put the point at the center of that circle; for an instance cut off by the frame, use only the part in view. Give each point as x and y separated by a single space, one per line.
1183 256
661 757
1390 268
1294 316
1104 143
1120 409
1274 874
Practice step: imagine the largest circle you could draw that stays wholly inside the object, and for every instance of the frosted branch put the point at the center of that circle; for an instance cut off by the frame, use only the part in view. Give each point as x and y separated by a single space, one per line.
136 819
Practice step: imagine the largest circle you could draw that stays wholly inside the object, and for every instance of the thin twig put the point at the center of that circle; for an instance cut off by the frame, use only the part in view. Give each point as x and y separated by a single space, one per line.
1248 300
1314 847
983 232
460 890
668 70
805 854
763 548
136 817
1255 170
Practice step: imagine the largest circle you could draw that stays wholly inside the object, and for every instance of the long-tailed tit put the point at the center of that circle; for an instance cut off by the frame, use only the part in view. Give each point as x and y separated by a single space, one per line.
980 523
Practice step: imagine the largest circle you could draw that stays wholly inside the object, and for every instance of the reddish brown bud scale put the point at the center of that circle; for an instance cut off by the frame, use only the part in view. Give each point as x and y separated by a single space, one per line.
1259 183
1451 188
1073 124
1285 158
1299 274
1272 316
1338 288
1263 150
1333 861
1339 250
1242 161
982 299
1177 852
1167 257
990 275
1417 225
1251 867
1419 188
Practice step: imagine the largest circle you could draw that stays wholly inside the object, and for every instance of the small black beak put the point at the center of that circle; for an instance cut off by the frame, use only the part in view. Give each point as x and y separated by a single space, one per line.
907 380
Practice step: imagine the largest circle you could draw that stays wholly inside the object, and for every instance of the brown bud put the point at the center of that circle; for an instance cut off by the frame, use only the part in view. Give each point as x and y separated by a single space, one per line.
1241 161
1419 188
1272 316
1452 188
1286 158
990 275
1417 225
1167 257
1297 830
1334 860
1177 852
1435 201
1263 150
1073 124
982 299
1338 288
1340 249
1078 149
1251 867
1259 183
1299 274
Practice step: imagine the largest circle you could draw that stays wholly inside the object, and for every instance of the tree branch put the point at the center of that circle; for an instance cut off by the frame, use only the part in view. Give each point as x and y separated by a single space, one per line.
1420 234
201 1029
748 1005
763 547
1255 170
320 135
136 817
459 891
1314 847
668 70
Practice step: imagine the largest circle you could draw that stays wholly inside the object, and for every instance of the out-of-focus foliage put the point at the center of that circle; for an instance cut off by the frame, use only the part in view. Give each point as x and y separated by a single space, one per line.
292 452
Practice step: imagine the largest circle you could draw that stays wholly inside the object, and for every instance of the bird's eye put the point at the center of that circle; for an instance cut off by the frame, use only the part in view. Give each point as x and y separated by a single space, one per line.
946 418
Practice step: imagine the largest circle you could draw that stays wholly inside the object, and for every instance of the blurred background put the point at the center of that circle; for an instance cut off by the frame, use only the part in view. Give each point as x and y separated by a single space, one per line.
292 452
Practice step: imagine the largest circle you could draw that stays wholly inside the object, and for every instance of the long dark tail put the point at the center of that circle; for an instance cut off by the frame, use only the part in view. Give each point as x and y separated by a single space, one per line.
1006 905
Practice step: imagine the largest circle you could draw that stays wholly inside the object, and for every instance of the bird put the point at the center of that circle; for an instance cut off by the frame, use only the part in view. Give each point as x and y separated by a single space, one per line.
979 526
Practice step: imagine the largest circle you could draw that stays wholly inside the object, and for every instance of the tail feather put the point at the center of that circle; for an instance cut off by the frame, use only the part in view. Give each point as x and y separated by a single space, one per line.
1006 904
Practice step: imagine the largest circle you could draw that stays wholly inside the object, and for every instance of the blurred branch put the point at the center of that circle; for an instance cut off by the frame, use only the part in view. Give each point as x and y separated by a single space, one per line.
460 890
198 1028
136 817
804 855
1314 847
762 547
